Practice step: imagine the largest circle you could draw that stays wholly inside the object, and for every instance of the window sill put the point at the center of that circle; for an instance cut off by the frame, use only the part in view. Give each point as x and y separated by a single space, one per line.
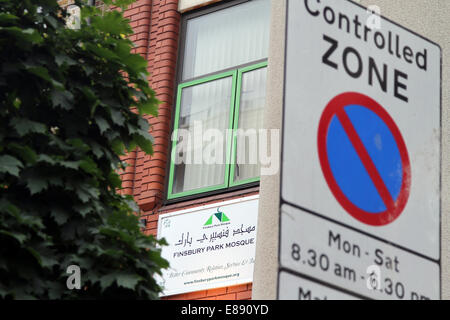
169 207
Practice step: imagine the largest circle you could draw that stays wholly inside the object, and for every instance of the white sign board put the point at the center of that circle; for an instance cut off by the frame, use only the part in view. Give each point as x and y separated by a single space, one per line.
210 246
296 288
362 118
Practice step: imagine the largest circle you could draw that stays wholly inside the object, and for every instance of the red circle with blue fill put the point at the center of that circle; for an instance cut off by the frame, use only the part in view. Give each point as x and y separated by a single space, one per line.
364 159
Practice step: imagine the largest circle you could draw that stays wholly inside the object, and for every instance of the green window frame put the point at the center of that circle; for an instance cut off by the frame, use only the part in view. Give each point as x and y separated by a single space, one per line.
233 122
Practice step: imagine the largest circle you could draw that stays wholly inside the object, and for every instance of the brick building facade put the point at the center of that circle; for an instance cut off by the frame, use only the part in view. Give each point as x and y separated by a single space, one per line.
157 28
213 61
156 25
192 43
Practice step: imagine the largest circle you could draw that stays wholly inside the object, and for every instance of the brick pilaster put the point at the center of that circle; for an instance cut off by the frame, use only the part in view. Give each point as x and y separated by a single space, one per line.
162 54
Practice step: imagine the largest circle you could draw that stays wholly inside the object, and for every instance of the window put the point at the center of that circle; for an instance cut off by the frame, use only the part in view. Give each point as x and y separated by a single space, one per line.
220 99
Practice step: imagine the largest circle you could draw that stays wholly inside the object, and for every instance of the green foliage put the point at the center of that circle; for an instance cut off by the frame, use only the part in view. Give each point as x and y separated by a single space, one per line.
65 117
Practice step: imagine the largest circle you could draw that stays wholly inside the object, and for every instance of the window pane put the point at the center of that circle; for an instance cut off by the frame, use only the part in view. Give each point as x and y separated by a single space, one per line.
253 94
227 38
201 143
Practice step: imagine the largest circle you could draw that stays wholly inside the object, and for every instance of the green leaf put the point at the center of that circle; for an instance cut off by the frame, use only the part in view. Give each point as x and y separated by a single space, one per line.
135 62
114 180
40 72
64 60
55 181
18 236
144 143
10 165
86 193
119 3
117 117
47 261
23 151
36 184
45 158
70 164
89 166
107 280
17 103
149 107
32 35
60 215
7 18
7 206
103 125
79 144
111 23
102 52
118 147
25 126
88 93
84 196
43 73
128 281
97 149
83 209
63 99
51 21
29 34
143 125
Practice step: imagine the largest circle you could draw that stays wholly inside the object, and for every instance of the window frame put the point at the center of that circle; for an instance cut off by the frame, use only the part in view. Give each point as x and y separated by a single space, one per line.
237 105
233 122
236 72
223 75
183 25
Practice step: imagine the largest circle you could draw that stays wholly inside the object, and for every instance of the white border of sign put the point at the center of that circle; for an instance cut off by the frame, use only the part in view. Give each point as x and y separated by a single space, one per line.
245 275
207 206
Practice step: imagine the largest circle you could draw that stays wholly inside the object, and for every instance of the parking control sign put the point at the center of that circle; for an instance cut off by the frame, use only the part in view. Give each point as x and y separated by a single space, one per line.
360 215
364 159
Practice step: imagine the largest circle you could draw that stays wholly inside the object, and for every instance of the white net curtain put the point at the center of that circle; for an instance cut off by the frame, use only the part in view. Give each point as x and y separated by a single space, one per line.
217 42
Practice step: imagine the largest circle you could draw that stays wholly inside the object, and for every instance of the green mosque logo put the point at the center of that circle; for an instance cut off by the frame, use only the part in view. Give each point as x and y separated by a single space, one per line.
219 215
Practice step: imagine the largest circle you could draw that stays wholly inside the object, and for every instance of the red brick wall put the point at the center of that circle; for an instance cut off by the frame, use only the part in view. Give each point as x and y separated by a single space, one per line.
239 292
139 14
156 25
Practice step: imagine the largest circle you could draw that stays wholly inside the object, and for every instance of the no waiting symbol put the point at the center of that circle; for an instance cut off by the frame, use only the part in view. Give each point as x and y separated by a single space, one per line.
364 159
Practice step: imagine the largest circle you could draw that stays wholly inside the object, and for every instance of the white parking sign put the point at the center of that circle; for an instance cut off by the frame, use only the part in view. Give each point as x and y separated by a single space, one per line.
360 184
